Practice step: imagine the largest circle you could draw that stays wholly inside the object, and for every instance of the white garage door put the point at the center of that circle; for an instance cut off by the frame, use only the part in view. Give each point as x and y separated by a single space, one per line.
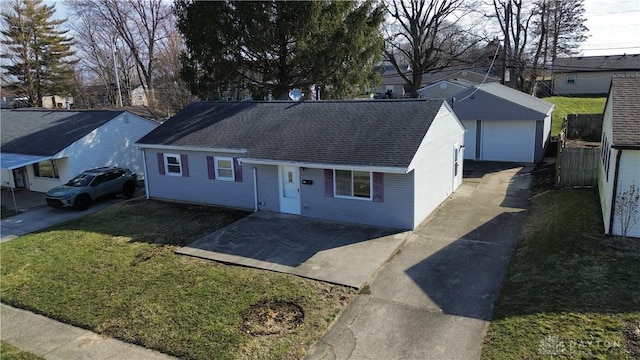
508 140
470 139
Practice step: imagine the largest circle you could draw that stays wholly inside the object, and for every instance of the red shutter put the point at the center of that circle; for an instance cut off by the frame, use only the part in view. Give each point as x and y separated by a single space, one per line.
160 163
237 169
378 187
184 161
328 182
211 169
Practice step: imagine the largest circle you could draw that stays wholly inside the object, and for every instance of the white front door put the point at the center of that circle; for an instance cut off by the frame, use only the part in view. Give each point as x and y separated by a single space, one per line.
290 189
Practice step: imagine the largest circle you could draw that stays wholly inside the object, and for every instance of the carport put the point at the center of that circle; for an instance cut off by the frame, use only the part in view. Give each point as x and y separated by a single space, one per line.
10 162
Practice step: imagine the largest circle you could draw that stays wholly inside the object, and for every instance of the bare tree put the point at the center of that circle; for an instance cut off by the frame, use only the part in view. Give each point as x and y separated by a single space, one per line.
140 26
515 19
427 35
626 209
103 56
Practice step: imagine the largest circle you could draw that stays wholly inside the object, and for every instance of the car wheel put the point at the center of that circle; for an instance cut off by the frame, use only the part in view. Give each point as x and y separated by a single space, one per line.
128 189
82 202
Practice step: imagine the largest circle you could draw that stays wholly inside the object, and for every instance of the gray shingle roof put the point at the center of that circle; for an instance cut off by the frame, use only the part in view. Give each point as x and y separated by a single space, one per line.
597 63
625 104
367 133
47 132
490 101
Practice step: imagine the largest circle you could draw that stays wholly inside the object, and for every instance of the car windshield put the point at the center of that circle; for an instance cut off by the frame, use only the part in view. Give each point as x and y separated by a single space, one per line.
81 180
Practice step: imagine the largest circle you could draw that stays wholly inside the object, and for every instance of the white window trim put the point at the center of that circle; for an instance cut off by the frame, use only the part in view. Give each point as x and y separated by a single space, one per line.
574 79
166 164
335 185
217 173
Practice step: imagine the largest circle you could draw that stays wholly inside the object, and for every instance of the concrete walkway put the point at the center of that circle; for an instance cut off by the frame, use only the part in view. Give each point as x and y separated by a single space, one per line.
434 298
51 339
336 252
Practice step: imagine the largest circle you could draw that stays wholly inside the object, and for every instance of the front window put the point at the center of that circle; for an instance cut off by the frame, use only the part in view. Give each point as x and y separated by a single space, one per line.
571 79
172 164
224 168
356 184
46 169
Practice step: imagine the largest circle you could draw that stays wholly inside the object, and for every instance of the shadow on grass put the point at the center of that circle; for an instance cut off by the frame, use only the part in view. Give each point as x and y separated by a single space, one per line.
563 264
155 222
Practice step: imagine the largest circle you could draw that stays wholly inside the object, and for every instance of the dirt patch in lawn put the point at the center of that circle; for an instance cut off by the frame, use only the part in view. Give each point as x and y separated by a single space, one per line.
269 317
632 340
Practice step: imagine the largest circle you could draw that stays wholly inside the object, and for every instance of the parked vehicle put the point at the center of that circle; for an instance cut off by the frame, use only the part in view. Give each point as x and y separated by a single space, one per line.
92 184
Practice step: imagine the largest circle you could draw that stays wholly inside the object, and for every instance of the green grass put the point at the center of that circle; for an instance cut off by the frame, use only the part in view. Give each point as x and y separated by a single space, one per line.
10 352
115 273
573 105
566 293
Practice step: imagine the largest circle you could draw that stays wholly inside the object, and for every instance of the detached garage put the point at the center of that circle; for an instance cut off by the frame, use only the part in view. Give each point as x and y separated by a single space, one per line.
502 124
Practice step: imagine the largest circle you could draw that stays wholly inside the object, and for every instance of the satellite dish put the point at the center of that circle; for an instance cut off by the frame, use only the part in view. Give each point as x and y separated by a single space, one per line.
295 94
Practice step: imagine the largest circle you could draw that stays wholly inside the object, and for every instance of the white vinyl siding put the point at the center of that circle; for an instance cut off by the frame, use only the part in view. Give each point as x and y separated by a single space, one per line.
112 144
470 139
433 164
628 173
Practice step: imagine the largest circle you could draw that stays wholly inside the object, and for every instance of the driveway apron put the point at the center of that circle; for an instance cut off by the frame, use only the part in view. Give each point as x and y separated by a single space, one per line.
434 298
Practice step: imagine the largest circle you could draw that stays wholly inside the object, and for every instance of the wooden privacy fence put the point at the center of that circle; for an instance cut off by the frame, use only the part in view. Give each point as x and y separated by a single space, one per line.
587 127
576 166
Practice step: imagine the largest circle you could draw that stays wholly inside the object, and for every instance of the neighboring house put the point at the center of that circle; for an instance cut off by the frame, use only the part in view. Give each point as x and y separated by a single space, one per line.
503 124
620 150
57 102
381 162
391 80
42 149
474 75
139 96
591 75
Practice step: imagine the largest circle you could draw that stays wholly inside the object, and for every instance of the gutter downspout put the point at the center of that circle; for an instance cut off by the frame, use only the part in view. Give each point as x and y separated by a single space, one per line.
146 183
255 190
615 192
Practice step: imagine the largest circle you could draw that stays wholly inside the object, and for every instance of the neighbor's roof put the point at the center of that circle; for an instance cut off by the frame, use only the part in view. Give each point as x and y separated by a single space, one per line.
385 133
47 132
597 63
518 97
490 101
625 104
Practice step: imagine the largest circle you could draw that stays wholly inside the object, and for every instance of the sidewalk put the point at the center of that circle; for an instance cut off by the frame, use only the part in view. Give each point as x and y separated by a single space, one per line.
54 340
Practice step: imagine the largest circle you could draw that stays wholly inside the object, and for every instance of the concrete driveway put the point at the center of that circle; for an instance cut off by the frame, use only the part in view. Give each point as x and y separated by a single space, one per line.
36 215
434 298
340 253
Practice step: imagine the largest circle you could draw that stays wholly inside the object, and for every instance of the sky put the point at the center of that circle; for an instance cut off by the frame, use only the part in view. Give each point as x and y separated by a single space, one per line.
614 26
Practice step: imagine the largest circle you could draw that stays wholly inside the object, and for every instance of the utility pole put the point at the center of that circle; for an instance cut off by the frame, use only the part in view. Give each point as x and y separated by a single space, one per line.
115 70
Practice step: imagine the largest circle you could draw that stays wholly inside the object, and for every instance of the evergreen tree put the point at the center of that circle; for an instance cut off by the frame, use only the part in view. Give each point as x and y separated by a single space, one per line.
38 52
273 46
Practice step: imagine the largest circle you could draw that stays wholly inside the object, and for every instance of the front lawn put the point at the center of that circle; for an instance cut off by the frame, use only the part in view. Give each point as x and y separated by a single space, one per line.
573 105
569 291
10 352
115 273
